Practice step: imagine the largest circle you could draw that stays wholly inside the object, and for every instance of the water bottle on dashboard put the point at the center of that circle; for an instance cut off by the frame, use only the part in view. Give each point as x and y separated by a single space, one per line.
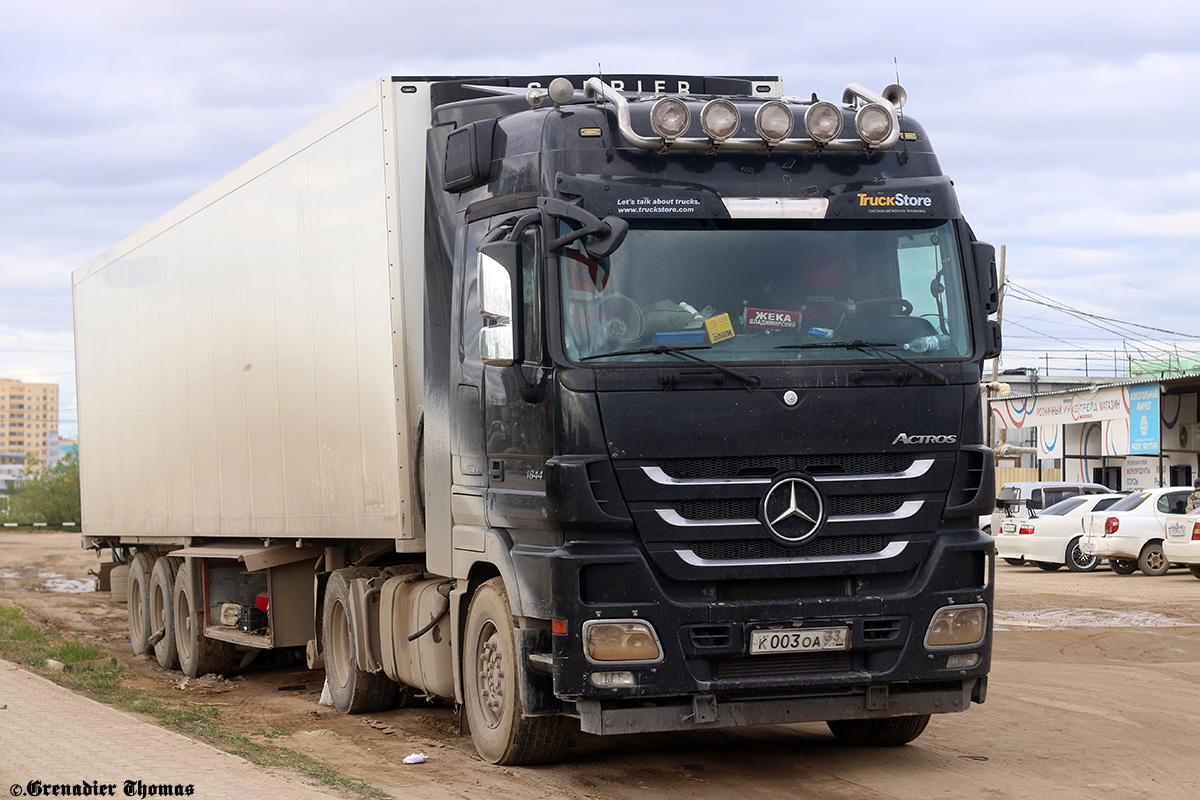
923 344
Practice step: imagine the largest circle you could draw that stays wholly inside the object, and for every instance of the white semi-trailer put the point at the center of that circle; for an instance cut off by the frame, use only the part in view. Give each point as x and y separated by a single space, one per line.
649 403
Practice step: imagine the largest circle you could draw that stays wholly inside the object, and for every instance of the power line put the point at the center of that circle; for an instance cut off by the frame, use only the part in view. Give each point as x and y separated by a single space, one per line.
1041 299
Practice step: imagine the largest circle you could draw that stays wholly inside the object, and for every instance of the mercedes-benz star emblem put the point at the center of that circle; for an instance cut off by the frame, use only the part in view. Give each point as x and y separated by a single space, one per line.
793 509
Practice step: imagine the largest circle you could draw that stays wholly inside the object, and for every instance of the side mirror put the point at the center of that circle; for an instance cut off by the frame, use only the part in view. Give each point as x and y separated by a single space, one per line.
499 264
603 244
985 268
993 340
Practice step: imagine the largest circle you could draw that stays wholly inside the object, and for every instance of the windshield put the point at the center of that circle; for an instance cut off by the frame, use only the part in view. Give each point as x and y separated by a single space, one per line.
737 290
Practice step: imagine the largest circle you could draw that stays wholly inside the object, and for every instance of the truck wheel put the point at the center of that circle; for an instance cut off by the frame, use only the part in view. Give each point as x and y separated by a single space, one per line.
198 655
138 599
1153 561
1195 570
501 731
1123 566
1016 562
354 691
1079 561
162 610
887 732
1048 566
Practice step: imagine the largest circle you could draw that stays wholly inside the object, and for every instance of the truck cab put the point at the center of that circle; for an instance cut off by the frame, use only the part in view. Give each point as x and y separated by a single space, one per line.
714 405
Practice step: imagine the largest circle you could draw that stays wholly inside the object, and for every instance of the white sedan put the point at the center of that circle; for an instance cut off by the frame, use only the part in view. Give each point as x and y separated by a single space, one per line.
1183 540
1053 537
1130 533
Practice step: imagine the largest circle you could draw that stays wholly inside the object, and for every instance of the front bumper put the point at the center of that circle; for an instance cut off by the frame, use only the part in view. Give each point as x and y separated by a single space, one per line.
704 630
706 712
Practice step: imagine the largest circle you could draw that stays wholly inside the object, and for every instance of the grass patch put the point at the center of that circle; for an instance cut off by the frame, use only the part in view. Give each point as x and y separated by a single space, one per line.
25 643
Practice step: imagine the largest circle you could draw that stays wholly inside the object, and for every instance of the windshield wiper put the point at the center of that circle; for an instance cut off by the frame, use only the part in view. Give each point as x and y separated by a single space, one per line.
870 347
751 382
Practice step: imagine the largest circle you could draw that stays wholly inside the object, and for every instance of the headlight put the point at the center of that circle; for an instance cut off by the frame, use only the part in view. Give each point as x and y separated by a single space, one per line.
720 119
874 123
623 641
670 118
823 121
774 121
957 626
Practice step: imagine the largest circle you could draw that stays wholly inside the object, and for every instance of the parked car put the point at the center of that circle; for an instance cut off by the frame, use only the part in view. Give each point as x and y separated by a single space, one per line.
1130 533
1052 537
1182 545
1016 500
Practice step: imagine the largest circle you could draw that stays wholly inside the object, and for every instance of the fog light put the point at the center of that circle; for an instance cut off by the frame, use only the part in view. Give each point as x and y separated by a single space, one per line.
670 118
955 626
720 119
962 661
612 680
774 121
874 123
823 121
620 641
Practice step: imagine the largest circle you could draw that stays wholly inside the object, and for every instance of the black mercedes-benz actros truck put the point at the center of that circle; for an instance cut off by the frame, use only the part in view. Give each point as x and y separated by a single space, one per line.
643 403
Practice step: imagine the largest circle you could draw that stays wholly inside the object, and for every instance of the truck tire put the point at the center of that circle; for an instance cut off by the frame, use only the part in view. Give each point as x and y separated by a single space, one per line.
162 610
1079 561
887 732
499 728
354 691
1123 566
198 654
1152 560
138 599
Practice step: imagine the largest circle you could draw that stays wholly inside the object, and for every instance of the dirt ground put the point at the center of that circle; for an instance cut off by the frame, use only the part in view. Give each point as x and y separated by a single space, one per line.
1094 680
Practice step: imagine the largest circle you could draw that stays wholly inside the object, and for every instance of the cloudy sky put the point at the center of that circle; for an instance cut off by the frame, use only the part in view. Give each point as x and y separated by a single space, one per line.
1067 126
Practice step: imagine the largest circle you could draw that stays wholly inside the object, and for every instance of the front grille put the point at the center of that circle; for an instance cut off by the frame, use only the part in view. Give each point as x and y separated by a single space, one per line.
755 549
784 664
766 466
742 508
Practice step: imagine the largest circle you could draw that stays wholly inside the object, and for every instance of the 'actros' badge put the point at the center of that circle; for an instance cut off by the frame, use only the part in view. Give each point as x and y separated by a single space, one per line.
793 509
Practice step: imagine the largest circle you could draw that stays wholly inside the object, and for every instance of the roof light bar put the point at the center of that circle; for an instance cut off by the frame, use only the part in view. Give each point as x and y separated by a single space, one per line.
877 125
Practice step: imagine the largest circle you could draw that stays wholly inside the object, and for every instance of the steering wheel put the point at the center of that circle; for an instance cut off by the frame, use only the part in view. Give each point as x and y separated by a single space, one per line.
897 302
621 318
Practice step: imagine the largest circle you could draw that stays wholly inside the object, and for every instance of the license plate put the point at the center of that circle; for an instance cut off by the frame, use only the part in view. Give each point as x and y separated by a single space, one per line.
799 640
1009 527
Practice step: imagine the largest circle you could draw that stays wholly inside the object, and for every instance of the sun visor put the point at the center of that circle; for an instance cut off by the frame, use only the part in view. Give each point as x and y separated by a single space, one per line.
641 198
